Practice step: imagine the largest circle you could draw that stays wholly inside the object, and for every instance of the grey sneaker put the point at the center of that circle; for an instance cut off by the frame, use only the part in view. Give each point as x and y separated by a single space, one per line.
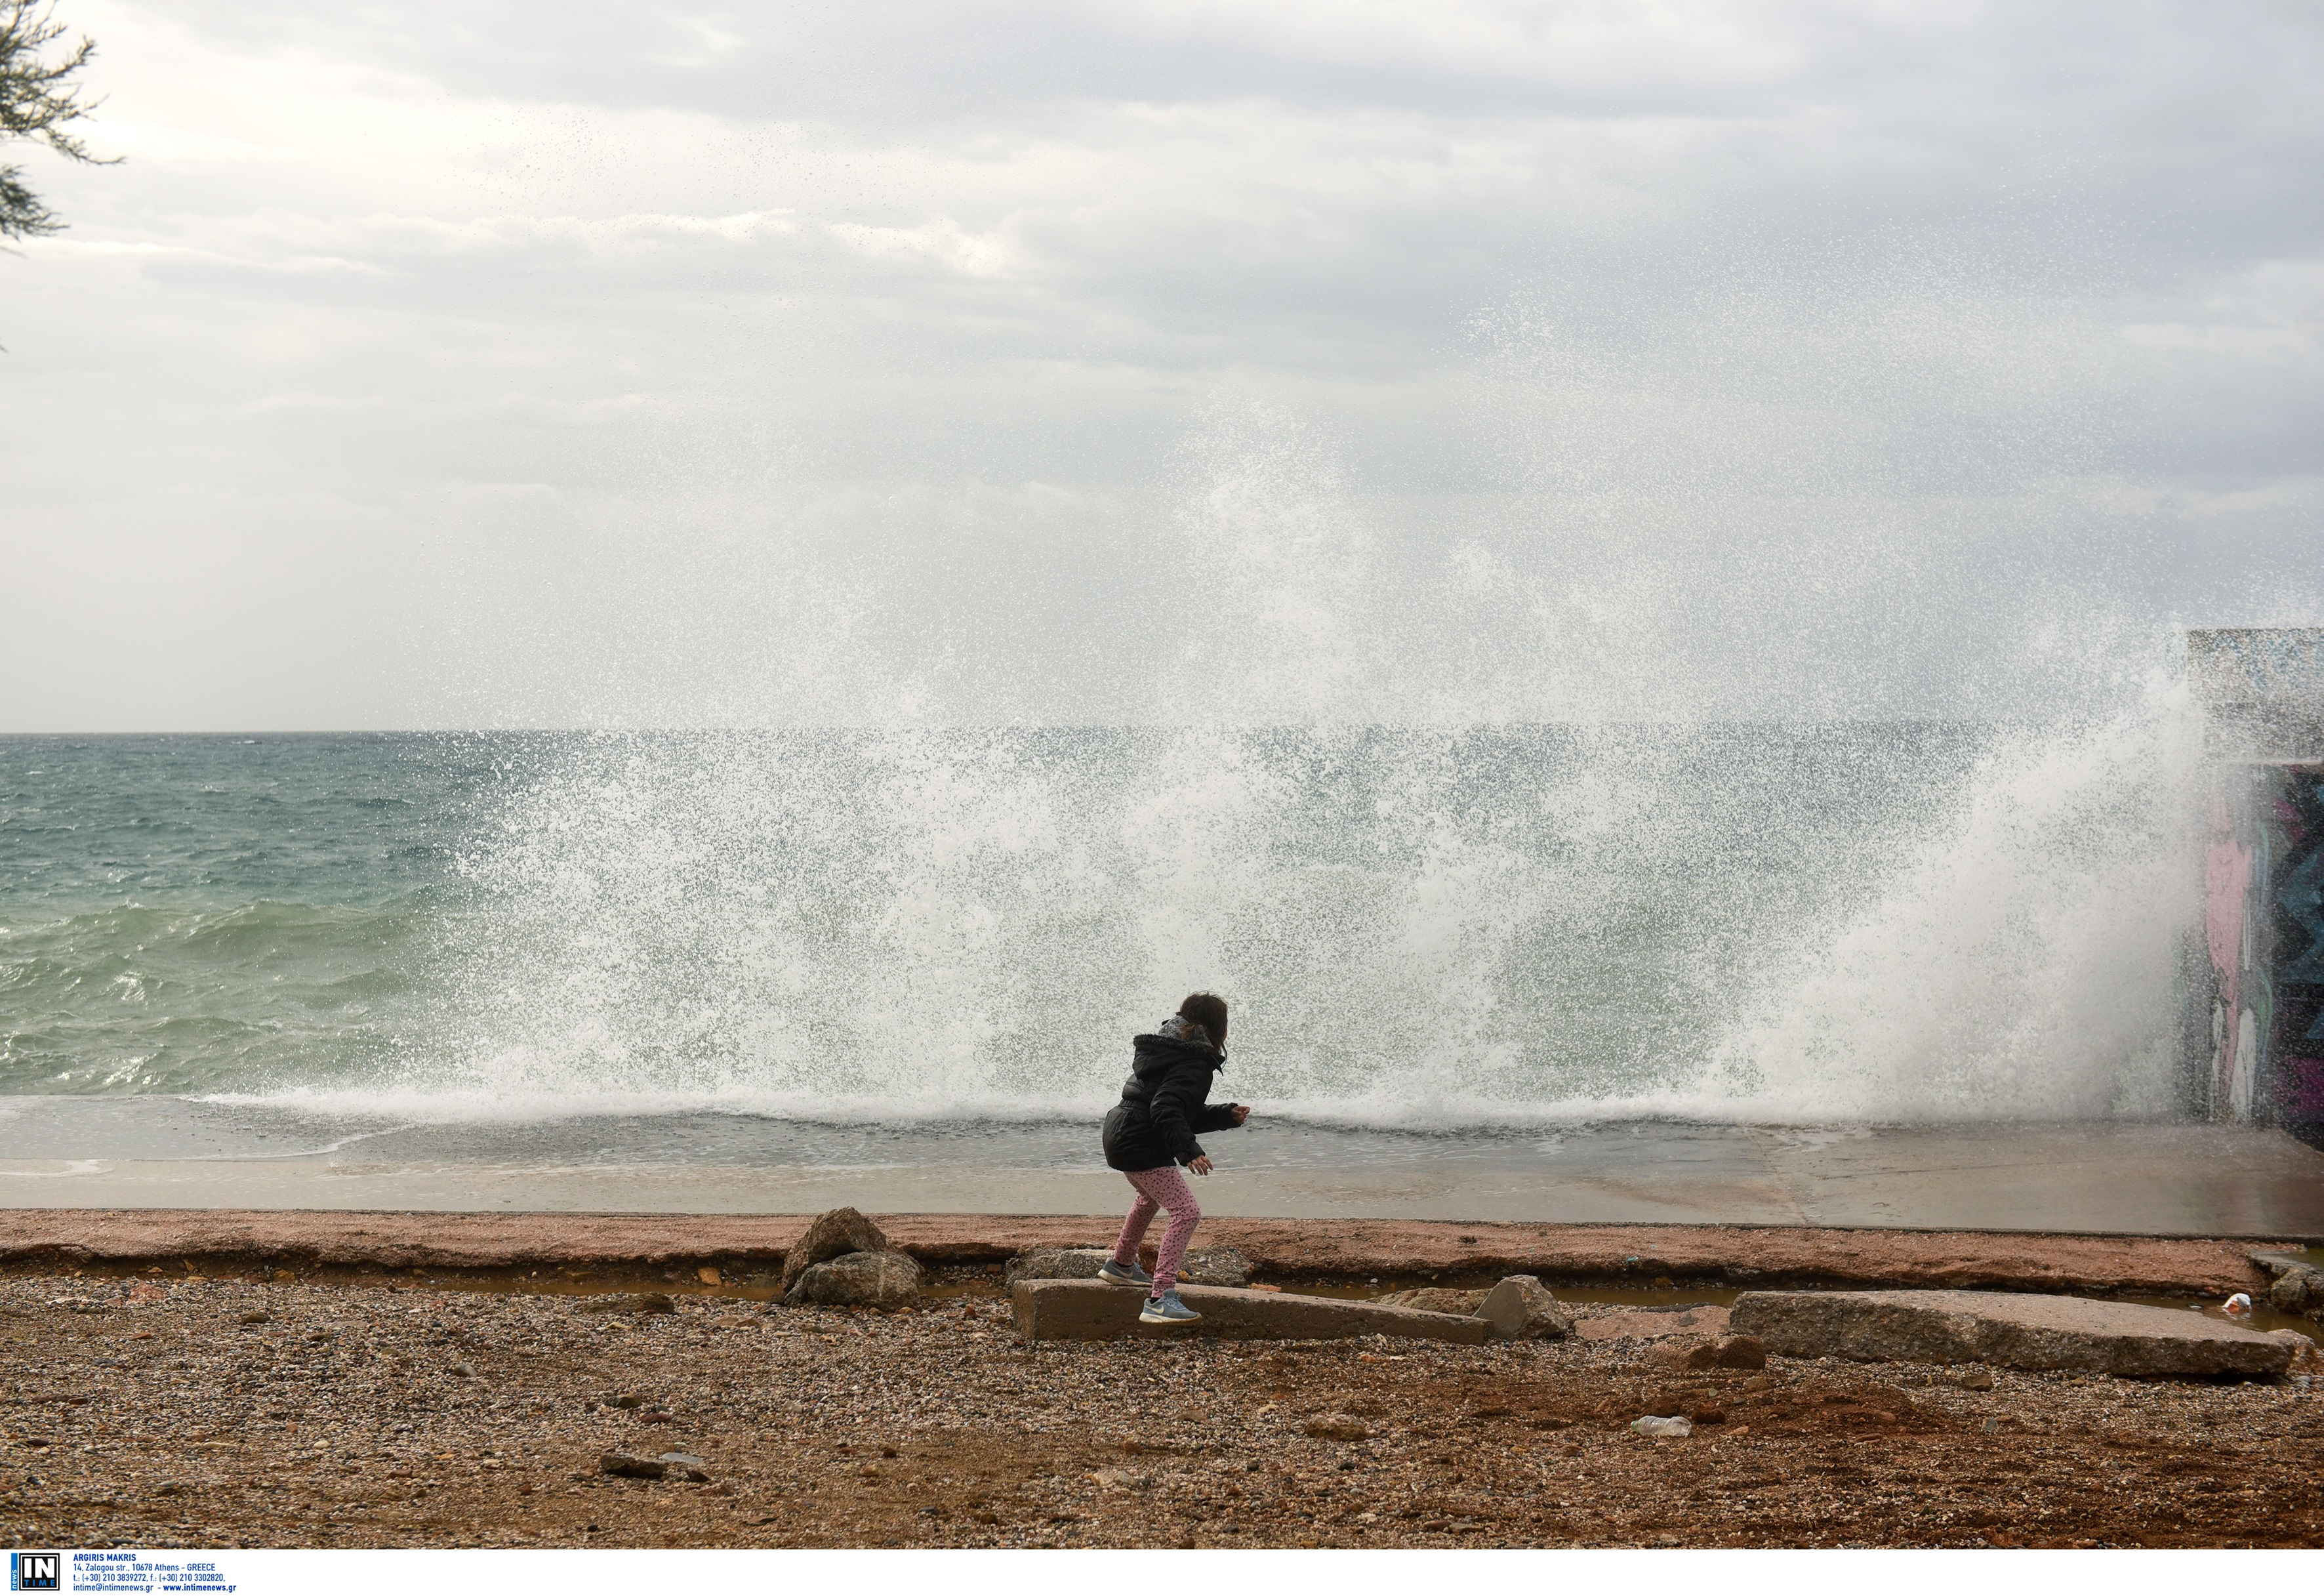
1123 1274
1166 1309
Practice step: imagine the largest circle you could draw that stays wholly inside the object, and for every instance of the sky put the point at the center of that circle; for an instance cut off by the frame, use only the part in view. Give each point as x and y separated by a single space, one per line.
1016 361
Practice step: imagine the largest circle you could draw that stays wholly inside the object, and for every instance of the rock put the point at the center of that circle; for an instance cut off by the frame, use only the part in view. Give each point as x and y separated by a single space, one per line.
1223 1267
627 1302
1436 1299
2292 1290
1725 1351
629 1399
862 1279
261 1317
1975 1380
685 1466
1092 1310
2279 1263
630 1466
1337 1426
2306 1357
1521 1308
465 1369
1671 1429
834 1234
1220 1267
2013 1330
1056 1263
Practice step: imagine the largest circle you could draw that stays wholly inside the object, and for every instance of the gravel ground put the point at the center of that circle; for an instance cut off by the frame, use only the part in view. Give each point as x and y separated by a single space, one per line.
168 1413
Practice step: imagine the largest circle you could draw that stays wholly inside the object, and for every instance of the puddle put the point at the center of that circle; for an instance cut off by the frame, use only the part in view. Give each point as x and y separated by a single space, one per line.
2262 1318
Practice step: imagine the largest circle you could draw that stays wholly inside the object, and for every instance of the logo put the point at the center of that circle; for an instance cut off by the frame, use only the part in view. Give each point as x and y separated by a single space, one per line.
36 1570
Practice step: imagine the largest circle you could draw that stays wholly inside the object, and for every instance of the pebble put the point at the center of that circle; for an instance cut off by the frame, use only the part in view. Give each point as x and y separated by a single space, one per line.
1509 1444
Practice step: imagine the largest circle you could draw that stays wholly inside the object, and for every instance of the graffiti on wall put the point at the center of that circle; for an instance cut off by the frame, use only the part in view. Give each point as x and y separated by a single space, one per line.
2232 863
2263 940
2262 690
2294 1035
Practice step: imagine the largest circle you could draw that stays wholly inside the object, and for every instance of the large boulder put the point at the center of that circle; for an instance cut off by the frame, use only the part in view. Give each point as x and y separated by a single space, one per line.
832 1235
1521 1308
2011 1329
859 1279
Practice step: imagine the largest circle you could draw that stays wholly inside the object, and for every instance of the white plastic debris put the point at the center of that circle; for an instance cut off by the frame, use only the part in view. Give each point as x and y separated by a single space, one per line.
1676 1429
2240 1302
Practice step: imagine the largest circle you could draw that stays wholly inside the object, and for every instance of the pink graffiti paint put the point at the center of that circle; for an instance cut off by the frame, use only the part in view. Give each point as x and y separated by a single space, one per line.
2226 880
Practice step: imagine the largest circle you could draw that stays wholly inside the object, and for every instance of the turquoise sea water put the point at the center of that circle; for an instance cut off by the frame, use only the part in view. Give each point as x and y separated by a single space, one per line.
1491 925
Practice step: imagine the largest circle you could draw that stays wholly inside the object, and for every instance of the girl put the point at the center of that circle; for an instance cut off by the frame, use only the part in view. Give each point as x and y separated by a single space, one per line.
1151 1131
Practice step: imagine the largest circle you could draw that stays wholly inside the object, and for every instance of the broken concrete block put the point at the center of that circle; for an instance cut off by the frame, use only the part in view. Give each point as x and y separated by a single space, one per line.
2305 1356
1056 1263
1092 1310
2010 1329
1221 1266
1436 1299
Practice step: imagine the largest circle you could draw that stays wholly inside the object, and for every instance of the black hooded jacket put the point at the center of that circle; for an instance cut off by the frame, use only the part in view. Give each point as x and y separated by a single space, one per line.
1166 1101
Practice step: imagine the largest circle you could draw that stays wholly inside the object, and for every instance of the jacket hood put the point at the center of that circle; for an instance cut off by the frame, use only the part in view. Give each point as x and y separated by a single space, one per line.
1177 1041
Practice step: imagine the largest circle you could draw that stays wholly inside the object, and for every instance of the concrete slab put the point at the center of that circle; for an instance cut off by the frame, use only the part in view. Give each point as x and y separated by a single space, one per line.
1703 1320
2016 1331
1092 1310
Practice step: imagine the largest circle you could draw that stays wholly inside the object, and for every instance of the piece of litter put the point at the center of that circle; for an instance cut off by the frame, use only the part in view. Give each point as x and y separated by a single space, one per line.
1675 1429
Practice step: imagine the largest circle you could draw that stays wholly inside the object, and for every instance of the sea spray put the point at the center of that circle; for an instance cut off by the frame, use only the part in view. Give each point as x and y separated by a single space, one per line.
2017 963
1420 925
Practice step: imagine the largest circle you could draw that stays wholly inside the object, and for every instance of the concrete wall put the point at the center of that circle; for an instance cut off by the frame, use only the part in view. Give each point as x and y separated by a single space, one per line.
2259 979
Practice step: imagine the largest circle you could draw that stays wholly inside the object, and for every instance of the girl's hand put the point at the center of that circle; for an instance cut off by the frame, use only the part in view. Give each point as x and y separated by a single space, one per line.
1201 1165
1241 1112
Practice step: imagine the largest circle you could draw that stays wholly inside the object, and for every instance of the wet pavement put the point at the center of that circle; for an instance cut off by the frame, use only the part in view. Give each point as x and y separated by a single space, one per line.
2107 1177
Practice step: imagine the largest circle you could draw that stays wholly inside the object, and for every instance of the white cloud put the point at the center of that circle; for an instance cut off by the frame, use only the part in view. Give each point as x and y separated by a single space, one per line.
734 362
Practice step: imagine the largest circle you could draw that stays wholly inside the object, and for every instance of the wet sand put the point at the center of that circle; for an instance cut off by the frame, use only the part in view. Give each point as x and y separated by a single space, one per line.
148 1408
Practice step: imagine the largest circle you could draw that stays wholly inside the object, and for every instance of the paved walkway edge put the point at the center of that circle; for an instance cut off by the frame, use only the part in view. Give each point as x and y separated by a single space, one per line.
1731 1254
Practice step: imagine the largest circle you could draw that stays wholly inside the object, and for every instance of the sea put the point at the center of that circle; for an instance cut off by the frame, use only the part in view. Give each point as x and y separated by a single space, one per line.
792 945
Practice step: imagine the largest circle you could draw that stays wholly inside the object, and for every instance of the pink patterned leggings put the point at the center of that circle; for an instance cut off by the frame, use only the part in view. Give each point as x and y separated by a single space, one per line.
1158 1189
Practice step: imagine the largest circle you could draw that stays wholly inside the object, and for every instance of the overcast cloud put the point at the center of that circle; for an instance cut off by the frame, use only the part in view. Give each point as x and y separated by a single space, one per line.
497 363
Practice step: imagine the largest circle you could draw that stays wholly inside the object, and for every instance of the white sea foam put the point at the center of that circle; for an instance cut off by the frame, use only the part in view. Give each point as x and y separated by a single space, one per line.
1418 930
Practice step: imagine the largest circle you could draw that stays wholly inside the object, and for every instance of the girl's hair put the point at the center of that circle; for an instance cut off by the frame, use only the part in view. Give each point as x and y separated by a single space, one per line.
1208 1011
